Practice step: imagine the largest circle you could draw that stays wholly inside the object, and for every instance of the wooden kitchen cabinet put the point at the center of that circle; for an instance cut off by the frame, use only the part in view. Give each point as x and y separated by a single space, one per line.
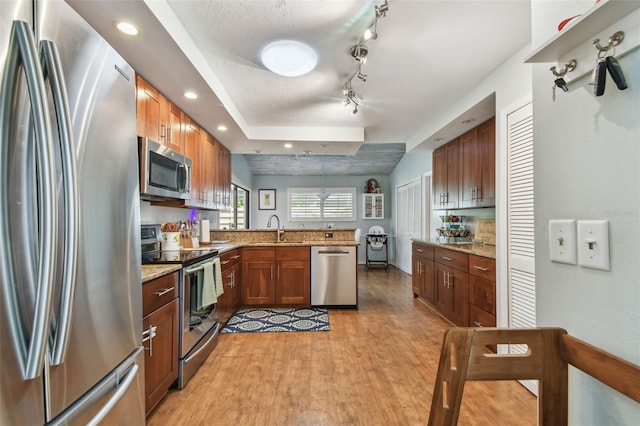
477 166
230 300
482 291
423 272
160 336
162 121
451 294
157 117
276 276
445 176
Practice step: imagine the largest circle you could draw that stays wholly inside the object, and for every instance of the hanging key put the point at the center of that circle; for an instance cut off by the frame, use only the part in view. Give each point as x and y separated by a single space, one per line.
616 72
600 77
559 82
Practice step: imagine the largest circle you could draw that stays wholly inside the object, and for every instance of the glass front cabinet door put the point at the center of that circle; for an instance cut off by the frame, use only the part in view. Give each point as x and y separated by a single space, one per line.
373 206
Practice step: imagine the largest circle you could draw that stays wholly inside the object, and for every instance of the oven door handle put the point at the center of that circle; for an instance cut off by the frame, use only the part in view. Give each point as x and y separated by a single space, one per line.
213 336
197 268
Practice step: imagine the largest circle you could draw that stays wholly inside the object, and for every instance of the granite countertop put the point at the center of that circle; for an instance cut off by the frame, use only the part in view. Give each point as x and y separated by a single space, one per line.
478 249
150 272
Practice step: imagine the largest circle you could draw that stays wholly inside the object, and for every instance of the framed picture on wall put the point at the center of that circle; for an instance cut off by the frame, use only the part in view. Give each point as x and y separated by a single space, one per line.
266 199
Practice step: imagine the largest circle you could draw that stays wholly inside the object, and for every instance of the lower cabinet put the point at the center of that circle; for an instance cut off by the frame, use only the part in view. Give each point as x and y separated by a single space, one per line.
482 292
460 286
230 300
160 336
423 272
276 276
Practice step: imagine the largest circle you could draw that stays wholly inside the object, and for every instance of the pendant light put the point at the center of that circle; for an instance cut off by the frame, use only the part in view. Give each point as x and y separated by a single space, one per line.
323 194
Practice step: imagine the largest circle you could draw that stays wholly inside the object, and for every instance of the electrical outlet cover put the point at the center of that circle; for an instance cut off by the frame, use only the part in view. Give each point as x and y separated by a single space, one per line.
562 241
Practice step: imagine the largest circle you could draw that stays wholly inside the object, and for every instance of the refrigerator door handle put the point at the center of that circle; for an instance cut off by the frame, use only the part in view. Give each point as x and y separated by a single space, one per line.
122 388
52 68
22 51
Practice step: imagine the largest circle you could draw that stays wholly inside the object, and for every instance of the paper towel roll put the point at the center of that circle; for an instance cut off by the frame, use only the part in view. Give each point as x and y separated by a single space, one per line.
205 237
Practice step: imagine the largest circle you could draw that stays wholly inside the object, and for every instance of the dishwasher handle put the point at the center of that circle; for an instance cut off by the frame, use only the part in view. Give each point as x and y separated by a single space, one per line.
333 252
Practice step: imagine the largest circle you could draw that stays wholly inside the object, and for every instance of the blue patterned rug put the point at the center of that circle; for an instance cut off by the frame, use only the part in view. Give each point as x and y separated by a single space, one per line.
278 319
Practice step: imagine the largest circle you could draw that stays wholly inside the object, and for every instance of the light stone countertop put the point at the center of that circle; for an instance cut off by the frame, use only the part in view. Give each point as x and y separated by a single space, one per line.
478 249
151 272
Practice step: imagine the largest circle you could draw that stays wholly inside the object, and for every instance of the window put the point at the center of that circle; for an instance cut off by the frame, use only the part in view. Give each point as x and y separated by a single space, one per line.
305 206
237 217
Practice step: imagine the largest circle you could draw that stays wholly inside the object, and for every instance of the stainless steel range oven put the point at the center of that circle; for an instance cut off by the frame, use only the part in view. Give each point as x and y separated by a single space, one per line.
200 326
198 323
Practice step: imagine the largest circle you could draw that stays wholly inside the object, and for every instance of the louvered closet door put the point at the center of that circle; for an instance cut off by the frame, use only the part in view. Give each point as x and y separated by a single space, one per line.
521 253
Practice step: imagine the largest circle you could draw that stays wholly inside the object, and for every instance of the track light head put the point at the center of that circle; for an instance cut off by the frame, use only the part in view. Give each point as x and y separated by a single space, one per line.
382 9
362 77
359 52
355 110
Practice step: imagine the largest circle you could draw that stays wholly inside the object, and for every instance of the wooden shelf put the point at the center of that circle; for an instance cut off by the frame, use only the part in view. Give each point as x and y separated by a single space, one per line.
598 18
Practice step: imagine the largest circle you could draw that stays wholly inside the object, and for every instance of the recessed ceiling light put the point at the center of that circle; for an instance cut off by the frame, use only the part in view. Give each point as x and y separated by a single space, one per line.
289 58
470 120
324 146
438 139
222 128
127 28
191 95
258 151
288 145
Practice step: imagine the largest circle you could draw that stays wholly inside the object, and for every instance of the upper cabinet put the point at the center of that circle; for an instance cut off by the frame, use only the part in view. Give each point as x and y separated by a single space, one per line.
373 206
161 120
464 170
477 166
445 176
157 117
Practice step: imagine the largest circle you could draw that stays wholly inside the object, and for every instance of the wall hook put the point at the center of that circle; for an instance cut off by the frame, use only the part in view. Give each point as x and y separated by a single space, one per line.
567 68
614 40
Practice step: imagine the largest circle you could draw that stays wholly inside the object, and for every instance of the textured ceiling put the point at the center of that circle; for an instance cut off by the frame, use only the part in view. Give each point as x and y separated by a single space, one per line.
378 159
428 55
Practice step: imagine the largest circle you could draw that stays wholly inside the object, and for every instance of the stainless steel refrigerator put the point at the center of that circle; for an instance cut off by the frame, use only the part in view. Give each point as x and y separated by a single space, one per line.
70 309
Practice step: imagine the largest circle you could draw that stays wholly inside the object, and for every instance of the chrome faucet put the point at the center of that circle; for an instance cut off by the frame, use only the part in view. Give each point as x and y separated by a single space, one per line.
280 231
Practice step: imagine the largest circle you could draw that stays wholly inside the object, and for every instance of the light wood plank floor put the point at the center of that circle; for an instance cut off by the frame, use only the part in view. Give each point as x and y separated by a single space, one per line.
376 366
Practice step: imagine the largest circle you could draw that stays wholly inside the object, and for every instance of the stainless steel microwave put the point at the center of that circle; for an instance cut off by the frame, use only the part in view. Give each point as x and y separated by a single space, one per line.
164 173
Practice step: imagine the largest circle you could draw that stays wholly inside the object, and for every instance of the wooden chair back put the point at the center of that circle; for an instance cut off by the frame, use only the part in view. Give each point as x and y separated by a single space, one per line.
466 355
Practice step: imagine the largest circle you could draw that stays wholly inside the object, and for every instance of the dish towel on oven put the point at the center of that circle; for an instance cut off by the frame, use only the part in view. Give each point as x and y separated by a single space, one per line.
209 294
218 277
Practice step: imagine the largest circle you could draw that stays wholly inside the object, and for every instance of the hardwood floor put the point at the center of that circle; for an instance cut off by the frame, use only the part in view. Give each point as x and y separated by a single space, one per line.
376 366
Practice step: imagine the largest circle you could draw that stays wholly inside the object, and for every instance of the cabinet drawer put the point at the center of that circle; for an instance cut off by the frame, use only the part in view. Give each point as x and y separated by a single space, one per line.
159 292
423 250
482 293
230 258
293 253
482 267
480 318
249 254
454 259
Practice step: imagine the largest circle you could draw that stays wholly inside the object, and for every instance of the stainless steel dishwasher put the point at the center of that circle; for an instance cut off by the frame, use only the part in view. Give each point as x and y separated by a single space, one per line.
333 276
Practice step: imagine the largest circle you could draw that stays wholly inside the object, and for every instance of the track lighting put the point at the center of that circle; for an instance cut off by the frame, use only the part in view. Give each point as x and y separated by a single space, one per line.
382 9
359 52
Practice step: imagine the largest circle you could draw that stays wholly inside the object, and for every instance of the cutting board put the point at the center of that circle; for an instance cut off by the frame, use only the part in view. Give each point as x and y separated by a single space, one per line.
486 231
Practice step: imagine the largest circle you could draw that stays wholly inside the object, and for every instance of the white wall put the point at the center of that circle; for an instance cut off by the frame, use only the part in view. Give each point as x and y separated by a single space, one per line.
587 166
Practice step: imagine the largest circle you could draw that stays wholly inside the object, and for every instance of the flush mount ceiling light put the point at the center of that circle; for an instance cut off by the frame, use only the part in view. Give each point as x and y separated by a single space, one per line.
191 95
359 52
222 128
288 146
289 58
127 28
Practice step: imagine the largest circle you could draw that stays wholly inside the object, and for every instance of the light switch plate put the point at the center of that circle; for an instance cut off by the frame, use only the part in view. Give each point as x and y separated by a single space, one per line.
593 244
562 241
